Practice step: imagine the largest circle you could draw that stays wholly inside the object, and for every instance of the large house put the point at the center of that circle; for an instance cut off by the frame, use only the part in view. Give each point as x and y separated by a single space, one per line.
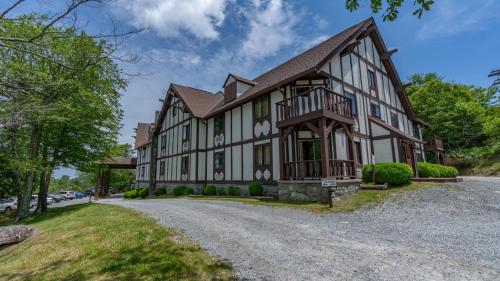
321 114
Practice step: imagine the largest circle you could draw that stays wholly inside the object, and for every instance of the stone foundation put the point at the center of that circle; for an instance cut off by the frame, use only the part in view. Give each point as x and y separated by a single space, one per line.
311 190
269 190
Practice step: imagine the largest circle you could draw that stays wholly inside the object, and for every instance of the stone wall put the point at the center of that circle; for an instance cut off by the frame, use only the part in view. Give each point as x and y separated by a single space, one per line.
269 190
311 190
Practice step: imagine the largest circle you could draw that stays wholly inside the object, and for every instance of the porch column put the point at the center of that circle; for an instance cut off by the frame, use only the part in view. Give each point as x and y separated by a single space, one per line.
282 154
323 138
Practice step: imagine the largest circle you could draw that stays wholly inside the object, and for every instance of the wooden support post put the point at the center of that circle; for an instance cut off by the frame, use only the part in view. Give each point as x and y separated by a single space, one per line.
282 153
323 138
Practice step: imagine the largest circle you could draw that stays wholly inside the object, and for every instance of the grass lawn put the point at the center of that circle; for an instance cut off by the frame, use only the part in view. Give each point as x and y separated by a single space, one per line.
358 200
489 167
103 242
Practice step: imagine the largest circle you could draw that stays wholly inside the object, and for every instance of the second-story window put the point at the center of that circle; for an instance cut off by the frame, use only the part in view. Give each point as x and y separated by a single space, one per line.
352 97
163 143
219 125
372 82
416 132
394 120
185 132
261 107
375 110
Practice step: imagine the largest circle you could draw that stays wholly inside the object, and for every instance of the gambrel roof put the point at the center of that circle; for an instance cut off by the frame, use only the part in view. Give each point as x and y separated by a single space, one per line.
203 104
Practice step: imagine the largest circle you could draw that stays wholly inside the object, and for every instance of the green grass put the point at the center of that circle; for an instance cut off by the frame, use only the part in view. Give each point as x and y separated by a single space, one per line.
103 242
356 201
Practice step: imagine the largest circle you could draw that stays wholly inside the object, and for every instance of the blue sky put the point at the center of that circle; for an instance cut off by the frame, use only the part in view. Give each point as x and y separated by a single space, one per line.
197 42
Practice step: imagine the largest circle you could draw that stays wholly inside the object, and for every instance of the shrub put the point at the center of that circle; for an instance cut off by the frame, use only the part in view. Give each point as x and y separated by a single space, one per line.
390 173
160 191
221 191
131 194
182 190
233 191
143 192
255 189
210 190
427 170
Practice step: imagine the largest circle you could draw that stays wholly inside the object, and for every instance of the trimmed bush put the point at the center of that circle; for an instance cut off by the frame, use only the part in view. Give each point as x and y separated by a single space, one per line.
221 191
255 189
390 173
181 190
210 190
143 192
131 194
233 191
160 191
430 170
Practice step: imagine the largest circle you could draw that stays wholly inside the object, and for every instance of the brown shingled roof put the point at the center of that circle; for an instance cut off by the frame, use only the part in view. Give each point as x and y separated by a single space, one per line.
199 102
304 63
239 78
142 134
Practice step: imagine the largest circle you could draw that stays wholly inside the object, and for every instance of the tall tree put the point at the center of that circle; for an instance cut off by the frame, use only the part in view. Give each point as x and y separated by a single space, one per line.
458 113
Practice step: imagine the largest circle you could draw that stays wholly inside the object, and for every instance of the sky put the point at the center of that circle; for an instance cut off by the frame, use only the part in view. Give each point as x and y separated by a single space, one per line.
198 42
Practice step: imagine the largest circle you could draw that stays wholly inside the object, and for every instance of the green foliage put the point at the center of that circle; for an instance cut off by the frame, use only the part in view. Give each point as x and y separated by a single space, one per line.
430 170
392 7
233 191
255 189
221 191
391 173
134 193
160 191
143 192
181 190
463 116
210 190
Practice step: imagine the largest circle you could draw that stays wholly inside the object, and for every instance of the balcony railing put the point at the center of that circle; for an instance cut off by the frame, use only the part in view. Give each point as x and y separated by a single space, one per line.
315 100
312 169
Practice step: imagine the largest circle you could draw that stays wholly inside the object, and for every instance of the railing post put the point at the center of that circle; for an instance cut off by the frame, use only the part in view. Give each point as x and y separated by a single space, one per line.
325 159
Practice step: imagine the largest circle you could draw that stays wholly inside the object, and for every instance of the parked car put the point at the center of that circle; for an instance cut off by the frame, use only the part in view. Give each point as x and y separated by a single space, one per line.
7 205
68 194
79 195
50 200
57 198
113 190
34 201
88 192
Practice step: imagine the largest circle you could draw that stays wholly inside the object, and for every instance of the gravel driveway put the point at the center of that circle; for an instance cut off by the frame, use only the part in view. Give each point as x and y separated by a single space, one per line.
432 234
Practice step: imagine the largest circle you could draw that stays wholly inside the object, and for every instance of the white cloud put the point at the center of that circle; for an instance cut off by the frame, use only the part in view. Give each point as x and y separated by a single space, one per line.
271 28
448 18
170 18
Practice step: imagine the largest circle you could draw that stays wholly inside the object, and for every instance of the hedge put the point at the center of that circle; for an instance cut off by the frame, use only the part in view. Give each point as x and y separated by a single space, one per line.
182 190
430 170
139 192
160 191
221 191
233 191
255 189
210 190
143 192
390 173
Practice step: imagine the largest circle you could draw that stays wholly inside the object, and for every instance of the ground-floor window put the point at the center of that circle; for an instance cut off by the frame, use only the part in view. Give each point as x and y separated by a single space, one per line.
263 155
359 153
219 161
162 169
184 164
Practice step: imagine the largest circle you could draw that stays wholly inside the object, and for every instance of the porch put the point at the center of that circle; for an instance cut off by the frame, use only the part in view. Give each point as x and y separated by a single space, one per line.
309 125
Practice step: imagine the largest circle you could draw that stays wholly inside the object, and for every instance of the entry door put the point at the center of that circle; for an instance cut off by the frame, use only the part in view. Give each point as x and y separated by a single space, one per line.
408 153
309 158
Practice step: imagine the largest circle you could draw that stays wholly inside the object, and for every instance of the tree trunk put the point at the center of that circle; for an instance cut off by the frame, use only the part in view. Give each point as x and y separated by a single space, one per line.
44 190
24 202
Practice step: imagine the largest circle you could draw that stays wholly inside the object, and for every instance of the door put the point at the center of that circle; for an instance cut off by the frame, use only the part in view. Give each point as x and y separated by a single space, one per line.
408 153
309 158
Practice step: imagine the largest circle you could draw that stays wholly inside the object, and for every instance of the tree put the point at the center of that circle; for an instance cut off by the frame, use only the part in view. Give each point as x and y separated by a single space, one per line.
391 7
458 113
56 114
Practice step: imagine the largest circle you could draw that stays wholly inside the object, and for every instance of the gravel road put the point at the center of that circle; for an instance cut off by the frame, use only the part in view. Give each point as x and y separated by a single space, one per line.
432 234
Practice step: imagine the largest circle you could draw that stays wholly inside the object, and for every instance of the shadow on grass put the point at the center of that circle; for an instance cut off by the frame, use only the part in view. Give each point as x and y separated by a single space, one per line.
39 217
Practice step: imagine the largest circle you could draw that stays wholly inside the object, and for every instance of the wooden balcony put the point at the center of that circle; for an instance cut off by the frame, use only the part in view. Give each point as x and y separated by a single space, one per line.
311 169
316 103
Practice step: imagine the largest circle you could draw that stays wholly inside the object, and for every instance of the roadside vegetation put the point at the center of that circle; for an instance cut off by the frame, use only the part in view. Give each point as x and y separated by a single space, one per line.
359 200
103 242
465 117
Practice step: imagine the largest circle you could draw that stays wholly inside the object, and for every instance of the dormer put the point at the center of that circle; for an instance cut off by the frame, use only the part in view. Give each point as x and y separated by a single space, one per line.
235 86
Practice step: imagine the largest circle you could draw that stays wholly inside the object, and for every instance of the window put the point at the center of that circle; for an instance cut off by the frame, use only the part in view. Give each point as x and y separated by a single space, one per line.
184 164
185 132
359 153
352 97
162 168
219 161
143 154
416 132
301 89
142 172
261 107
163 143
375 109
174 110
371 80
219 125
394 120
263 155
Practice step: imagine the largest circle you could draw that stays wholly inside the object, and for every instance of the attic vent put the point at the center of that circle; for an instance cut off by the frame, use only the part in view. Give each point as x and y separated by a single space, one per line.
230 91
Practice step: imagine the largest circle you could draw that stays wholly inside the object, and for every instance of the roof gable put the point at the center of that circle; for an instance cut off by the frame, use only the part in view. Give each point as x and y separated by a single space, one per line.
142 134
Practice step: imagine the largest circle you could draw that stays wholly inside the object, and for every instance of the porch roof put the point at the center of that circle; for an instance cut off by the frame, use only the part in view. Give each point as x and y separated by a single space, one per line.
395 131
